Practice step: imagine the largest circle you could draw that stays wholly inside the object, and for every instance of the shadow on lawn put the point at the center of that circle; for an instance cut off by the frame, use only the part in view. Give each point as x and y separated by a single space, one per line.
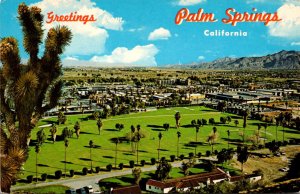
111 129
291 131
153 129
232 140
155 126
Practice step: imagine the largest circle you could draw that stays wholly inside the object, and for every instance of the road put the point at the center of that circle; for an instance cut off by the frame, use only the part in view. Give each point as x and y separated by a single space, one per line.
82 181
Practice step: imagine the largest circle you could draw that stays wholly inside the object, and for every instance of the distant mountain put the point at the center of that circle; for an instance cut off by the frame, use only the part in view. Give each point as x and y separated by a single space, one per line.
280 60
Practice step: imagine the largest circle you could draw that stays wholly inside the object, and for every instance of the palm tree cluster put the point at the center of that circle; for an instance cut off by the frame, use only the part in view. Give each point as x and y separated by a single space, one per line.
24 87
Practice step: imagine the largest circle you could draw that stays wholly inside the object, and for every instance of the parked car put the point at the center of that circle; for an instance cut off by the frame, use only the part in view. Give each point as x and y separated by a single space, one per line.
71 191
89 189
81 191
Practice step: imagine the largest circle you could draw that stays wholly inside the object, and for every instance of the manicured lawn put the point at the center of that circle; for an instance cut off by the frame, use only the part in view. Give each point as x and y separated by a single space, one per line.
46 189
51 156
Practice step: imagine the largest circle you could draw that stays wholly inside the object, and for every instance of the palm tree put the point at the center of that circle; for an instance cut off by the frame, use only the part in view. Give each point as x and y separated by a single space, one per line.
197 131
137 139
159 139
91 144
31 82
177 119
37 151
99 124
277 123
258 132
41 136
131 136
178 136
265 126
116 151
228 135
66 146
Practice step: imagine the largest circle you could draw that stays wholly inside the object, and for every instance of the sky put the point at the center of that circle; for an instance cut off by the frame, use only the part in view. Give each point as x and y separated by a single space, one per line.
130 33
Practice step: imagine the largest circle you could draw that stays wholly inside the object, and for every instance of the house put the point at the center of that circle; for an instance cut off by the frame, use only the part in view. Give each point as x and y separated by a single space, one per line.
186 183
132 189
197 181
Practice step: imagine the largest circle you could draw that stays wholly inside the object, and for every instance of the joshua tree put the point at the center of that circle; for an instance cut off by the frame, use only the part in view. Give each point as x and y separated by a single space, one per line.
66 146
116 151
77 129
178 137
177 119
53 132
159 139
37 151
99 125
91 144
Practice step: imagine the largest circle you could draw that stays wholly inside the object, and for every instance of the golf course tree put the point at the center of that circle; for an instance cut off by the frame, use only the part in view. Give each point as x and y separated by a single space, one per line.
178 137
277 124
177 119
41 137
99 125
212 138
132 131
66 146
77 129
163 170
158 150
265 126
166 126
228 118
24 87
242 155
258 133
136 138
212 121
37 151
116 141
236 122
245 115
119 126
91 146
273 146
61 118
53 131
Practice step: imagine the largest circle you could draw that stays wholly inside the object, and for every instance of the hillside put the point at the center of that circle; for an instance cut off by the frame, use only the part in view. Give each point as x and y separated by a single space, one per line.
280 60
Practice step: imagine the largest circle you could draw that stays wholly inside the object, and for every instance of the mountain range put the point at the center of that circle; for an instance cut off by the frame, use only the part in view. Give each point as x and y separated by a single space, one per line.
281 60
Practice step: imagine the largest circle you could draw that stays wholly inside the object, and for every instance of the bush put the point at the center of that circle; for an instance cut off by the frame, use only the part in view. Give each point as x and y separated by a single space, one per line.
284 143
208 153
131 163
216 152
191 154
292 142
163 159
72 173
260 146
199 154
181 157
153 161
143 162
29 179
85 171
172 158
97 169
58 174
121 166
44 177
109 167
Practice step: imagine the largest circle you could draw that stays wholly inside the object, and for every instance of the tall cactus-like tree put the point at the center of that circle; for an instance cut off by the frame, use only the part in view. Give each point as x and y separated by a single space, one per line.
24 88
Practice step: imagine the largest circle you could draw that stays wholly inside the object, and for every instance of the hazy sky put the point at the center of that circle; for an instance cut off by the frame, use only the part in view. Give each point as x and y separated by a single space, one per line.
143 32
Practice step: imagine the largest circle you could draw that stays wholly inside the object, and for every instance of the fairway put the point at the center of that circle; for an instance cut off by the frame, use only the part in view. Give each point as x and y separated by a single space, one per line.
51 156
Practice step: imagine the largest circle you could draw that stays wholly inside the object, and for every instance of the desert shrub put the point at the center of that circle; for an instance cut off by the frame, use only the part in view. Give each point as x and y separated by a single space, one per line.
153 161
131 163
109 167
84 171
181 157
44 177
29 179
58 174
121 166
97 169
72 173
172 158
